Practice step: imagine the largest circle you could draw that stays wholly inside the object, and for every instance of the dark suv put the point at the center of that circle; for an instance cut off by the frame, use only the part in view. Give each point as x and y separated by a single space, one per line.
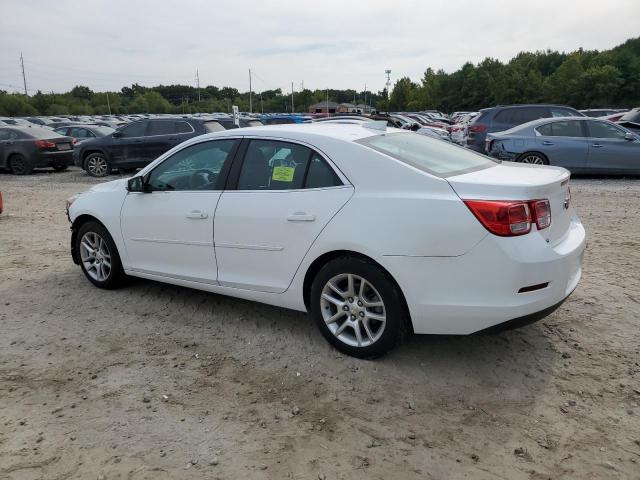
497 119
138 144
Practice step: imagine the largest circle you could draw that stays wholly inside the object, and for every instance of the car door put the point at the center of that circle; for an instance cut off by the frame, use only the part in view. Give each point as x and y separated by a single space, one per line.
610 151
280 196
564 143
168 229
127 144
160 137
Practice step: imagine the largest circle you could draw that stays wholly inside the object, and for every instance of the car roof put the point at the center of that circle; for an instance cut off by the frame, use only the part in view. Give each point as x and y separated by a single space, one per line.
523 105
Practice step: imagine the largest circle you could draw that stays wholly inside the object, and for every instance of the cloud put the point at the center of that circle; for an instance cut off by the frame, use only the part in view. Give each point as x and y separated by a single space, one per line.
107 44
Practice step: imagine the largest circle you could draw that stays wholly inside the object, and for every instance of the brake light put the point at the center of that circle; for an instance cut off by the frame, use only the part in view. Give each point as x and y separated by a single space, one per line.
503 218
477 128
45 144
74 141
541 211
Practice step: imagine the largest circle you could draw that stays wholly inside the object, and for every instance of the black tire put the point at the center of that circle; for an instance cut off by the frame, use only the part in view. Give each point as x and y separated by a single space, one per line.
116 276
97 165
60 167
397 316
528 157
19 165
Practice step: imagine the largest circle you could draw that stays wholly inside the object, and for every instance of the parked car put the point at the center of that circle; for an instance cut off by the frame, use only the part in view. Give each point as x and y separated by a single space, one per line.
282 119
498 119
24 148
228 123
631 120
380 232
582 145
138 143
82 133
599 112
434 132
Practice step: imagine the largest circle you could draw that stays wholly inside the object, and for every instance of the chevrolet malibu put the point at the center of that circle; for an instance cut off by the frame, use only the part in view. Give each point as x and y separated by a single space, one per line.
375 232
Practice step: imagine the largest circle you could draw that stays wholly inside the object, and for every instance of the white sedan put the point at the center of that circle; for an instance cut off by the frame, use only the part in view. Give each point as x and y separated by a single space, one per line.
376 232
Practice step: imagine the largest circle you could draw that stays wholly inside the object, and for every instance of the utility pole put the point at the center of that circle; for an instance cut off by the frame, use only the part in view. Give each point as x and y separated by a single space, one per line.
365 98
261 104
24 78
292 109
108 104
198 83
250 101
388 84
327 102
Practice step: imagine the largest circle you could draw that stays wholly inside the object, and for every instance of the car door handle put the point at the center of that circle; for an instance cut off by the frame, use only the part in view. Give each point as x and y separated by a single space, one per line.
547 142
197 214
301 217
597 145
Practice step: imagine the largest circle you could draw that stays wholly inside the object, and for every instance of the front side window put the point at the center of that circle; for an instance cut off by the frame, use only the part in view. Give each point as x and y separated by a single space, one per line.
605 130
136 129
196 167
430 155
567 128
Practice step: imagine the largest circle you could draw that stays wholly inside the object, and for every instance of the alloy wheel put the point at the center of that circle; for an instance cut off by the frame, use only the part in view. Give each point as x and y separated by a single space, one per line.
95 256
533 159
17 165
97 166
353 310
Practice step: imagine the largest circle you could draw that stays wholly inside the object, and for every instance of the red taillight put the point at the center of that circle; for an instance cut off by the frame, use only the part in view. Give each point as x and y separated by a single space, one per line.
541 213
45 144
74 141
511 218
477 128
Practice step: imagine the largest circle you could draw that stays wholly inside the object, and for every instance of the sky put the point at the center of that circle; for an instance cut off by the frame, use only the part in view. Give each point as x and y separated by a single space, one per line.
107 44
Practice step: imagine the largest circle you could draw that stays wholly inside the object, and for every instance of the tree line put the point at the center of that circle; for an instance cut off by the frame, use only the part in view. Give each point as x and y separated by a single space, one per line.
582 79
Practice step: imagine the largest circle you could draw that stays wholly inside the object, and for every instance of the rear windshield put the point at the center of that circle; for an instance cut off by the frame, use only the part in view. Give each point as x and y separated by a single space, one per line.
213 127
40 132
631 116
428 154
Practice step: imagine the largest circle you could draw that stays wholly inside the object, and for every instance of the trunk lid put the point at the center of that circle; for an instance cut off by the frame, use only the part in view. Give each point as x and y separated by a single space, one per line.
515 181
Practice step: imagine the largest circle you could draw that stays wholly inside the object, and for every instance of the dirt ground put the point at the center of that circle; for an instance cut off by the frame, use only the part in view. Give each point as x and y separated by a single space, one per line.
155 381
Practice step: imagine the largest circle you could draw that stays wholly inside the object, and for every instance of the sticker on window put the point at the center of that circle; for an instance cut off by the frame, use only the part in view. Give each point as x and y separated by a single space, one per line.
283 174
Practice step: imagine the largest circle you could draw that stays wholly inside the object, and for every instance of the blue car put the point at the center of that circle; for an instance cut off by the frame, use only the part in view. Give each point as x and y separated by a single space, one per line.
580 144
283 119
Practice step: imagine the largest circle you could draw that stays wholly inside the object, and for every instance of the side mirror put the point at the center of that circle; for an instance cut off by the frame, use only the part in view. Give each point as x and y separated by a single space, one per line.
136 184
116 134
629 137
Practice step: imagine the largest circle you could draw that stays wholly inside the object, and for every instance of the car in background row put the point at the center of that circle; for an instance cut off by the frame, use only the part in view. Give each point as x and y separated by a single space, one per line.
498 119
228 123
82 133
600 112
582 145
631 120
138 144
24 148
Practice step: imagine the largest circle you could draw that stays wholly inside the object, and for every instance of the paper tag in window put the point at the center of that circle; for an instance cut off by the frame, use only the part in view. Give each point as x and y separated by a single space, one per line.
283 174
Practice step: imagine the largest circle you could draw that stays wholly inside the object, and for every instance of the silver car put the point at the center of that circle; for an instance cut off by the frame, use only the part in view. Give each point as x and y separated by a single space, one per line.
580 144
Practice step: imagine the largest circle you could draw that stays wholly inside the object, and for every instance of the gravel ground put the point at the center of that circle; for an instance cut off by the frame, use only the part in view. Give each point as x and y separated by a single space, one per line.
156 381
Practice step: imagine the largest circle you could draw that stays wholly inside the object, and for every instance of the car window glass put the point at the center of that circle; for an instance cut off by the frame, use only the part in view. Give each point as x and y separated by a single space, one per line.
320 174
196 167
545 130
504 116
4 134
62 131
160 127
428 154
605 130
80 133
182 127
213 127
568 128
135 129
631 116
524 115
273 165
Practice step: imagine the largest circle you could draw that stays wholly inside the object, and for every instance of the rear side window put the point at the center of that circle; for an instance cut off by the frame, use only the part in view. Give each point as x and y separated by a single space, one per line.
430 155
135 129
182 127
524 115
274 165
160 128
567 128
320 174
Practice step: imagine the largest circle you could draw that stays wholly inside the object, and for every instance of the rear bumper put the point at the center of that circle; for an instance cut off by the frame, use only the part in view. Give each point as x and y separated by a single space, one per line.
46 159
480 289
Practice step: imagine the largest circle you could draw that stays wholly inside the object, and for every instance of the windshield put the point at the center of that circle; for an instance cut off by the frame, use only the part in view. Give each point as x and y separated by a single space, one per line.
428 154
631 116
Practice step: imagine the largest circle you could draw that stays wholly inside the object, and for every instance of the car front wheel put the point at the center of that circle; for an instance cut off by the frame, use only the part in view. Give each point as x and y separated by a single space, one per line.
97 165
358 307
99 258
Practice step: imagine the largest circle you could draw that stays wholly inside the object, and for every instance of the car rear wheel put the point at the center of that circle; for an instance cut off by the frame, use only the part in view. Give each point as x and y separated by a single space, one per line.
19 165
358 307
97 165
533 158
99 258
